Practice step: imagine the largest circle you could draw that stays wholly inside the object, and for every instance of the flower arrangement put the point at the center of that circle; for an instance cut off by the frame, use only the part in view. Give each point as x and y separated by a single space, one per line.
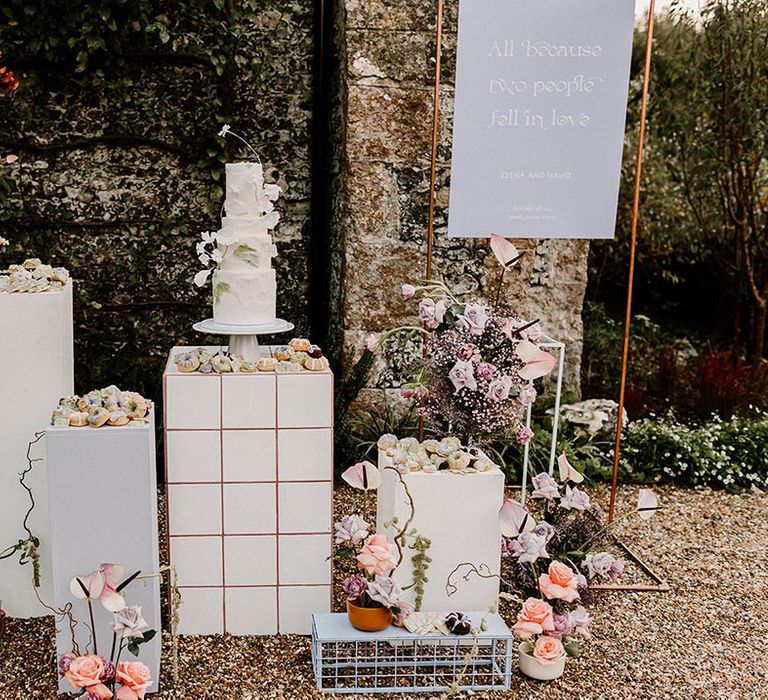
297 356
109 406
554 560
32 276
98 677
431 456
479 360
214 245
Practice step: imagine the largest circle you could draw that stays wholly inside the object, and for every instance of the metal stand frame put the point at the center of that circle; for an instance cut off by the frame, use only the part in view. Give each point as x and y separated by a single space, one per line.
660 584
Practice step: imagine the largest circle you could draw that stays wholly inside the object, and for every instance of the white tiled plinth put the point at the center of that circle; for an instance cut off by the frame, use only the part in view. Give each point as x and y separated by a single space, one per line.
459 513
103 509
36 371
249 470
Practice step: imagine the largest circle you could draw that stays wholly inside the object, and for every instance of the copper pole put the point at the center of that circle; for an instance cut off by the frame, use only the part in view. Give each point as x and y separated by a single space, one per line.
433 161
632 247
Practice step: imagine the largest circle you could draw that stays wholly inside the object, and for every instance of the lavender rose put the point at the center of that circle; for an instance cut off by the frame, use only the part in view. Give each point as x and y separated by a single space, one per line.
129 622
545 530
432 313
109 671
352 529
485 370
474 318
563 626
574 498
463 375
64 661
385 590
467 351
528 547
524 435
408 291
580 620
545 487
602 565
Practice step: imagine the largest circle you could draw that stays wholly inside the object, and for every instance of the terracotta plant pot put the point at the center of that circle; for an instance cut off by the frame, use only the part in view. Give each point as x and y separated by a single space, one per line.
368 619
538 670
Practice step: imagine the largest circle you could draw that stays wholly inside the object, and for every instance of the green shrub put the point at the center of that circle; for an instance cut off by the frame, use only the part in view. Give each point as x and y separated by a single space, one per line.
721 454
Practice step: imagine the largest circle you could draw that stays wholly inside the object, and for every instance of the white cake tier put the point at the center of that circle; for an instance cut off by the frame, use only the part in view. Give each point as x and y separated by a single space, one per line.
254 253
244 297
246 193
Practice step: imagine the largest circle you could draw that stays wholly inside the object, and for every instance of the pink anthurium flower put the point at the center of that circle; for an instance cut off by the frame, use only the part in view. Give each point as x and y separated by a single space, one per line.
514 519
89 586
537 363
110 598
567 472
363 475
505 251
647 503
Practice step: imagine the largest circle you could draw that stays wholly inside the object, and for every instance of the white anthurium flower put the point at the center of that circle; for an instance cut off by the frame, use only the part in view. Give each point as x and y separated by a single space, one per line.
647 503
567 472
217 255
202 277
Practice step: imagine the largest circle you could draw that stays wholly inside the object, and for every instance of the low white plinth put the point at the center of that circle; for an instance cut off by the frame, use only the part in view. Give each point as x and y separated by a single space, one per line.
36 371
459 513
249 472
103 509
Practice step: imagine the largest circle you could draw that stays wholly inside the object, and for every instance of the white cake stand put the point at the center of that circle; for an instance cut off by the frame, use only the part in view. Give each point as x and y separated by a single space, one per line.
244 340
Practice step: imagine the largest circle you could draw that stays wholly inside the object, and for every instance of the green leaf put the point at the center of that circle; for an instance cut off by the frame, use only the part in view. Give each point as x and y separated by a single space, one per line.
221 288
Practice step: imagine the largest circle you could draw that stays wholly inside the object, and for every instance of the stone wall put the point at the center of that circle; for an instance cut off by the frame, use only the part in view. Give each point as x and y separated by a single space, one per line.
117 177
387 71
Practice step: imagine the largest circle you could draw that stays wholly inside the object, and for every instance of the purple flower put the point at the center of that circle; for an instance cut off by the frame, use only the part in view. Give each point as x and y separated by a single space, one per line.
408 291
602 565
354 586
527 395
544 486
65 660
563 626
499 389
580 620
485 370
574 498
109 671
528 547
352 529
432 313
463 375
545 530
467 351
385 590
474 318
524 435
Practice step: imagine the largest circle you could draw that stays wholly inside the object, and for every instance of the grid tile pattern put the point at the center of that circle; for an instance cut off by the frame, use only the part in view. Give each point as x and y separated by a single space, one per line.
249 469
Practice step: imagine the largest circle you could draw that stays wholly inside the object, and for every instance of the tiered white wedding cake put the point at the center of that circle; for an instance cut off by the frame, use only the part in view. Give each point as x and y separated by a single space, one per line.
244 284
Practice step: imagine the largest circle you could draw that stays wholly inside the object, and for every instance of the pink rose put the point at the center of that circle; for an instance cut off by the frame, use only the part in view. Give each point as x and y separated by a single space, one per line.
432 313
462 375
559 582
378 557
548 650
408 291
485 370
534 617
524 435
135 678
99 692
85 671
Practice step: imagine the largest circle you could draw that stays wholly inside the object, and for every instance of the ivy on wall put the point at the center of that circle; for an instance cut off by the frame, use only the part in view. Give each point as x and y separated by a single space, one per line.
119 166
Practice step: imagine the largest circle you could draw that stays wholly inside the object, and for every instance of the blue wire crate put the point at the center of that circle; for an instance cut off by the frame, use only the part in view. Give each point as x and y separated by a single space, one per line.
346 660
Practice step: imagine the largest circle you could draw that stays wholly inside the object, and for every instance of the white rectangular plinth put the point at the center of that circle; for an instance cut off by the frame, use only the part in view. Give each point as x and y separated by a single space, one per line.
249 479
459 513
103 509
36 371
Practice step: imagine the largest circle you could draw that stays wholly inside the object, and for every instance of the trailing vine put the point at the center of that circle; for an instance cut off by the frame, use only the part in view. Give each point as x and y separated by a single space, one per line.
420 562
27 548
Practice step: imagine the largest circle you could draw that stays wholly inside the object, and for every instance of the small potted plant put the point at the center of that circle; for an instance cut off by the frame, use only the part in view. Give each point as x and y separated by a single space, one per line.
548 638
373 597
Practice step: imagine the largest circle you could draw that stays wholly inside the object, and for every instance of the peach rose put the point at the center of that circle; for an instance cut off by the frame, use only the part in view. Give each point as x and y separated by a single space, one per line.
378 557
535 617
99 692
559 582
135 678
85 671
548 650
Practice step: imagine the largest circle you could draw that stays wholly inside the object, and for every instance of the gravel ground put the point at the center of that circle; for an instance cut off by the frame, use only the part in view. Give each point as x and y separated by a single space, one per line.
704 639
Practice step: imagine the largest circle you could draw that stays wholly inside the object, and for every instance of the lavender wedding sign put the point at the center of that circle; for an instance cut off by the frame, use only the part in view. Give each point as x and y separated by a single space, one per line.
541 93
